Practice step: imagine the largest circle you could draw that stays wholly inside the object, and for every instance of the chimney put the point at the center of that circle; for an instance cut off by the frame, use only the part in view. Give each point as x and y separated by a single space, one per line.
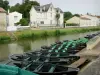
8 11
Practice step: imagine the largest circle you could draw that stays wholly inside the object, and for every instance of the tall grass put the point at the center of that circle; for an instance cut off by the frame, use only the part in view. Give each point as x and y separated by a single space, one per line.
37 34
4 39
49 33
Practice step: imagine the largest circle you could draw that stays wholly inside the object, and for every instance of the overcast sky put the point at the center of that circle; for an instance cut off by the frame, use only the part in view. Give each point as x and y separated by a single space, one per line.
74 6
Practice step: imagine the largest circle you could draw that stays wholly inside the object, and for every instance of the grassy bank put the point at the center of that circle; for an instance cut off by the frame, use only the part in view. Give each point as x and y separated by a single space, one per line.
37 34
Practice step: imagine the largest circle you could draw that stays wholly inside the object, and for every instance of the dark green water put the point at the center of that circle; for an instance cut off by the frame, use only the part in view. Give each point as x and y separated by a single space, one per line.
20 47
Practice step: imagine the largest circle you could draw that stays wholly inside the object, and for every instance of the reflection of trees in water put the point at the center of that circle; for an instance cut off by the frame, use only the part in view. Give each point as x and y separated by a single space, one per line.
57 38
4 52
26 45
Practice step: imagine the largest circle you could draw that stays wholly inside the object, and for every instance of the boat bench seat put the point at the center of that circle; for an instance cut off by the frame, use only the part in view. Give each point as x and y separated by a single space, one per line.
58 55
27 66
52 68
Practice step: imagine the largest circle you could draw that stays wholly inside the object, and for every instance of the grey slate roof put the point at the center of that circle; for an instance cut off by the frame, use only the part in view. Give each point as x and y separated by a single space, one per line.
59 10
37 8
45 8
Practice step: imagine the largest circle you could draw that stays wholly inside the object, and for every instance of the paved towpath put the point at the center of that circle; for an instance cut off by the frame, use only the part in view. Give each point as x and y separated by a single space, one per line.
94 52
93 68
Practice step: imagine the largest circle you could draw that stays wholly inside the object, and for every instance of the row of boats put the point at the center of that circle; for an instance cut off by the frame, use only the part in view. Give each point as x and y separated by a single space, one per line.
51 60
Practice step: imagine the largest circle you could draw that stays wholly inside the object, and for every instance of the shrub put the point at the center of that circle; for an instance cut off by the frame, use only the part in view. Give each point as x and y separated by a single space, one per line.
45 34
72 24
23 22
5 39
57 32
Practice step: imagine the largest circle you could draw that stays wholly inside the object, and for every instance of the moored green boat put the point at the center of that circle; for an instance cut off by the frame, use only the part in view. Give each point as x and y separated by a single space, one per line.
12 70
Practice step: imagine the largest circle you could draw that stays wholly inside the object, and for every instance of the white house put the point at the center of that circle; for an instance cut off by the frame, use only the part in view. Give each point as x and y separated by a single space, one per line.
84 20
45 16
13 18
3 19
73 20
94 19
99 19
79 21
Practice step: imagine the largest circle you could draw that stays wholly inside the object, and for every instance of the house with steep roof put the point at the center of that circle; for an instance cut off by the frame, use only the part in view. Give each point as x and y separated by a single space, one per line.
45 16
3 19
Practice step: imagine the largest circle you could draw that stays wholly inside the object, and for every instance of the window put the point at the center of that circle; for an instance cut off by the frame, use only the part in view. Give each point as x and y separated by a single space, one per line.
42 22
51 8
15 18
51 22
57 11
15 24
51 14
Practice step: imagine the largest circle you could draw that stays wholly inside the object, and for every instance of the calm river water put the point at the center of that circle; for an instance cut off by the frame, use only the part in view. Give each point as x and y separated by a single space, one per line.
20 47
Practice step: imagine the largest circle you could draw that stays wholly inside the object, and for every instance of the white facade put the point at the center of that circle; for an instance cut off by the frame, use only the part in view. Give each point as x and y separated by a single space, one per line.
45 16
75 20
3 19
84 20
94 20
13 18
99 19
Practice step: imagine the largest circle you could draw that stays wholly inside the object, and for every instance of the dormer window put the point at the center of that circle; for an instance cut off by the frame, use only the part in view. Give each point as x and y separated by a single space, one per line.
51 9
43 8
57 11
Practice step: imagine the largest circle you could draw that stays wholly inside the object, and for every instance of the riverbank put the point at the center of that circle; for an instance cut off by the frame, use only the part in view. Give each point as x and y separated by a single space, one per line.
93 55
38 34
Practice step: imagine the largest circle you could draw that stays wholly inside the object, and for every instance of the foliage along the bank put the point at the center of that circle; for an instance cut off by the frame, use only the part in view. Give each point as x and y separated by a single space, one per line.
24 8
4 4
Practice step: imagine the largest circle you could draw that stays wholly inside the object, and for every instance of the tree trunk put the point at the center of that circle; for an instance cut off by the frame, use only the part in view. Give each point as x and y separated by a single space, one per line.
57 23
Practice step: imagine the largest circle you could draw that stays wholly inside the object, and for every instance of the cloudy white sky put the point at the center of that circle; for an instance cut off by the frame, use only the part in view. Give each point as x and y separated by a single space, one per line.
74 6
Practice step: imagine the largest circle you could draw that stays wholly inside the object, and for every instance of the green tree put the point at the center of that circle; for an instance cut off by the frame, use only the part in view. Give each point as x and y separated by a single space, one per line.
76 15
67 15
15 8
4 4
24 8
23 22
57 17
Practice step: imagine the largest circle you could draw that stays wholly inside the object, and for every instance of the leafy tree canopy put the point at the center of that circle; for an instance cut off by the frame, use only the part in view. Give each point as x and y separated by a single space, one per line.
24 8
23 22
4 4
67 15
76 15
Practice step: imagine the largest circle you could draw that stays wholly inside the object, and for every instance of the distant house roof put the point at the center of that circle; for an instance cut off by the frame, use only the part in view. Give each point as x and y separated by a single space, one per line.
45 8
85 18
2 10
98 16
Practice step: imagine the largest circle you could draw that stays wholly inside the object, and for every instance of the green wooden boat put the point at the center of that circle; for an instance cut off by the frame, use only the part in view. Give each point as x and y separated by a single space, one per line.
12 70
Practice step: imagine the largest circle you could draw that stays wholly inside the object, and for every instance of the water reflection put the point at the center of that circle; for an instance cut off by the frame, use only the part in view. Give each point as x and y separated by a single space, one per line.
4 52
15 48
27 45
